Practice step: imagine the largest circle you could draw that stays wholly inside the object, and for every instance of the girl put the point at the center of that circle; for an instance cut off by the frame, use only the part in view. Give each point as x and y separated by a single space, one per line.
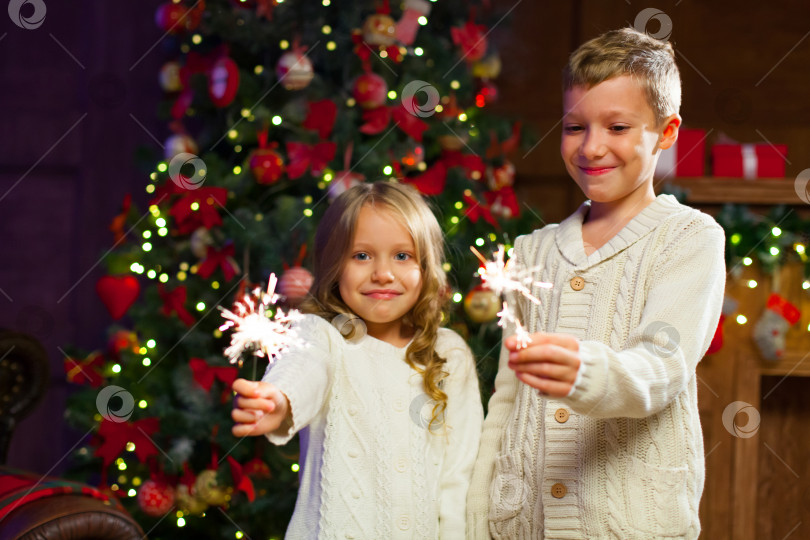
387 403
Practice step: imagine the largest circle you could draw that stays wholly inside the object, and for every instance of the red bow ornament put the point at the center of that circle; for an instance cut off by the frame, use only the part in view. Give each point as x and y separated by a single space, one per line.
173 302
241 481
476 210
301 156
321 117
116 435
205 374
87 371
219 259
199 209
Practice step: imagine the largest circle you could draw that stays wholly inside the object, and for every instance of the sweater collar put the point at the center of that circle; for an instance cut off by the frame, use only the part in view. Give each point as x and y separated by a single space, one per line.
569 234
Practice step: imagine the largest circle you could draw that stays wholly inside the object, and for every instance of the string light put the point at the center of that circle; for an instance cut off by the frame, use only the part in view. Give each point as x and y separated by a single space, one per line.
237 170
455 85
776 231
276 120
200 306
181 522
388 169
742 319
294 467
457 297
150 188
147 362
258 70
392 94
196 39
331 45
747 261
418 51
284 44
423 20
162 167
326 29
142 405
774 251
752 284
131 493
116 368
130 447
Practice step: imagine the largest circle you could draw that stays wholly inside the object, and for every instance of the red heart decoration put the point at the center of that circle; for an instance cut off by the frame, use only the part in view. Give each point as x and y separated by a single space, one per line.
118 293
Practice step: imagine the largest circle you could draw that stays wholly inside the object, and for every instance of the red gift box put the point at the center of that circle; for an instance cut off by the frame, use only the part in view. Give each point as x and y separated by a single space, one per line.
684 158
749 160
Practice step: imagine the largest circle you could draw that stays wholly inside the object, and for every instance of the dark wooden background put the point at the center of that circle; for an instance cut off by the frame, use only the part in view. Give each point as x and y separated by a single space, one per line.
79 93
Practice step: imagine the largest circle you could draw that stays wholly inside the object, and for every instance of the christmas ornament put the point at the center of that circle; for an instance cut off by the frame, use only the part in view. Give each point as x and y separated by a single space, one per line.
770 329
118 222
169 17
188 502
408 23
181 450
207 488
179 143
257 468
86 371
200 240
503 203
453 142
266 164
155 498
488 68
254 330
295 284
123 340
501 177
379 29
301 156
471 40
321 117
118 293
241 480
174 302
482 305
170 77
295 70
370 90
219 258
223 82
115 432
198 208
344 179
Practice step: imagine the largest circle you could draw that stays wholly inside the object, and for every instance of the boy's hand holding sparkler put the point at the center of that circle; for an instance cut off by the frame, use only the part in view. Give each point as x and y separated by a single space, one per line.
259 408
549 363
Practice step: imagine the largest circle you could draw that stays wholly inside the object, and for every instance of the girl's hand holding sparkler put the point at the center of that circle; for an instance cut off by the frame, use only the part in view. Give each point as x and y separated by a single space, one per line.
549 363
259 408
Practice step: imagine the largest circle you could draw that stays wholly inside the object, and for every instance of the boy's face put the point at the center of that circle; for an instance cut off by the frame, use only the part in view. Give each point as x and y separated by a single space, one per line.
610 140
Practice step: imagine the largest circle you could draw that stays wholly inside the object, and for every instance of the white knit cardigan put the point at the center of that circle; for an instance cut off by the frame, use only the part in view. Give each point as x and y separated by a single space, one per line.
369 466
627 447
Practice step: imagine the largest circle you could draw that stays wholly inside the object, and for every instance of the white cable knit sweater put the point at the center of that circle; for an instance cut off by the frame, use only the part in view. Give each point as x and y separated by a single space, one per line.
622 456
369 467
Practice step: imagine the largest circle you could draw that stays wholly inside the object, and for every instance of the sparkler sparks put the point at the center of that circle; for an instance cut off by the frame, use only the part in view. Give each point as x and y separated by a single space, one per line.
254 330
501 277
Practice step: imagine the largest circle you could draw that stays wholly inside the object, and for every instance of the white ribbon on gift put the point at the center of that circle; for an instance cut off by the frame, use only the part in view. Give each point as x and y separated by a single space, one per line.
750 162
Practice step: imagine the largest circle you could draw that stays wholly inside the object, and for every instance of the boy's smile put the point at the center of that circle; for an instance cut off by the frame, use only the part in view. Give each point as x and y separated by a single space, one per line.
610 140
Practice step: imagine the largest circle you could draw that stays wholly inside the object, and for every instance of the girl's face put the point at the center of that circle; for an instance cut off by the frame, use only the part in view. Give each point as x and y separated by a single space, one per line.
381 279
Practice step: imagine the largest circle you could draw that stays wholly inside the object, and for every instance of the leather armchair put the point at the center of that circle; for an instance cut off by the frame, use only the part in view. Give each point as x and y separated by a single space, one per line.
24 369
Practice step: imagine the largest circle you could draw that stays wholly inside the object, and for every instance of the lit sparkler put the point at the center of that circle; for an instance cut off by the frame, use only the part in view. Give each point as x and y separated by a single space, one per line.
501 277
254 330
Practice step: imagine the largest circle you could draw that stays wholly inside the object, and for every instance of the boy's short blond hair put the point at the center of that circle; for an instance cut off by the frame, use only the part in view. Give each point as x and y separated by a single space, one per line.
629 52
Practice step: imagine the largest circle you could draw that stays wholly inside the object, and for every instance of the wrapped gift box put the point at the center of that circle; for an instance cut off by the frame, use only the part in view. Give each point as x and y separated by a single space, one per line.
684 158
749 160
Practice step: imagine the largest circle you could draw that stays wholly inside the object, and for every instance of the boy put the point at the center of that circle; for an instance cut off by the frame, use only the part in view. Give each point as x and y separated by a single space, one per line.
593 430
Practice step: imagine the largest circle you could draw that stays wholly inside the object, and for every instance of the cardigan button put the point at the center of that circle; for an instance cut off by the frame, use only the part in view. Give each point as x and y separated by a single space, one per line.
577 283
558 491
561 416
352 409
404 522
402 464
353 453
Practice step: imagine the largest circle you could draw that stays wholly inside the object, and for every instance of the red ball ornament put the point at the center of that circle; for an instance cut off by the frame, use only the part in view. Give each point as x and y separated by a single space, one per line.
257 468
155 498
379 29
170 77
370 90
295 70
118 293
501 177
295 284
266 165
223 82
482 305
177 18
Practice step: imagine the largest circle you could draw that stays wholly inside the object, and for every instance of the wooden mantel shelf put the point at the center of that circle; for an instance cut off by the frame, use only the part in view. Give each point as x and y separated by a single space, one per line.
795 364
711 190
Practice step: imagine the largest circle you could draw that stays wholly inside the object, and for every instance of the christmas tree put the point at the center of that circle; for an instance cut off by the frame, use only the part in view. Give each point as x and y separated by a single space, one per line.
276 107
